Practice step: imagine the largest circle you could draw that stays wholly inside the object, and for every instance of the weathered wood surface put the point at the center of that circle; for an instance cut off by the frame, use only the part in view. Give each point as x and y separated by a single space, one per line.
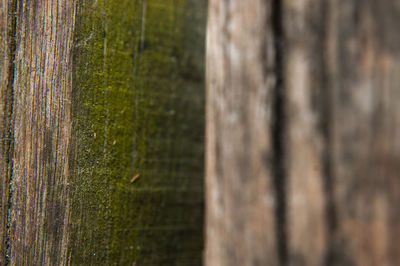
338 118
36 129
99 92
6 79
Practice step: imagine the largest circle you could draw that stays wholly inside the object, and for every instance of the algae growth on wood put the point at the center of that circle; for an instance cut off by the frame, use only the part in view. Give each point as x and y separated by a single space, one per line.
137 154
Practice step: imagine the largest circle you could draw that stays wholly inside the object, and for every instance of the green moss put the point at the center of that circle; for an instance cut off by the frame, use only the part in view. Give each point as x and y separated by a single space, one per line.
138 109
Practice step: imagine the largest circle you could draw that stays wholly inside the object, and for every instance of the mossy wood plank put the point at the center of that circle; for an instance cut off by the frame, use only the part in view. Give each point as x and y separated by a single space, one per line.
138 133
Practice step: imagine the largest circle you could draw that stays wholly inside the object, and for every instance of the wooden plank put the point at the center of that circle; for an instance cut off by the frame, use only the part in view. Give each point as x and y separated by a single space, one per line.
41 124
41 113
365 134
341 60
240 185
307 124
138 109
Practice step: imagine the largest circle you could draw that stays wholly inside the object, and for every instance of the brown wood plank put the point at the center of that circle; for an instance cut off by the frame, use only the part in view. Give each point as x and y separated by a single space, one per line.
342 89
42 125
241 203
306 121
365 133
343 155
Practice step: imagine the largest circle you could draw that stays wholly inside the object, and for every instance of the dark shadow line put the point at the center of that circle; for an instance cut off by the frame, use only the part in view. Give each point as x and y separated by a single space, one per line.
278 134
326 122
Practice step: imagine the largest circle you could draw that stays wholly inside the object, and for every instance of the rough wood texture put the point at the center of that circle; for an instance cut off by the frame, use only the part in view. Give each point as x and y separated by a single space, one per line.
241 78
41 123
7 47
338 116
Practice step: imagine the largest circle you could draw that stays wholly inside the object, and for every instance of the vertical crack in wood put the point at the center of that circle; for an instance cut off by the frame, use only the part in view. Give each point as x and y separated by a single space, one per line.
9 139
278 134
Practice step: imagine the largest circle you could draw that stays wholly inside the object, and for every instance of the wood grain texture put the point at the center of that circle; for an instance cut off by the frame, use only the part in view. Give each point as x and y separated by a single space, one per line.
41 127
241 80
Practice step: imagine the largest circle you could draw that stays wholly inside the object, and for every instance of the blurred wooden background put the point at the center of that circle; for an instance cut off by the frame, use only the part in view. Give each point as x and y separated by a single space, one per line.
303 122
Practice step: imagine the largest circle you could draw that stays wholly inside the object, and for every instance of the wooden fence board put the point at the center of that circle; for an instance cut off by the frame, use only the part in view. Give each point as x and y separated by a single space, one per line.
306 121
